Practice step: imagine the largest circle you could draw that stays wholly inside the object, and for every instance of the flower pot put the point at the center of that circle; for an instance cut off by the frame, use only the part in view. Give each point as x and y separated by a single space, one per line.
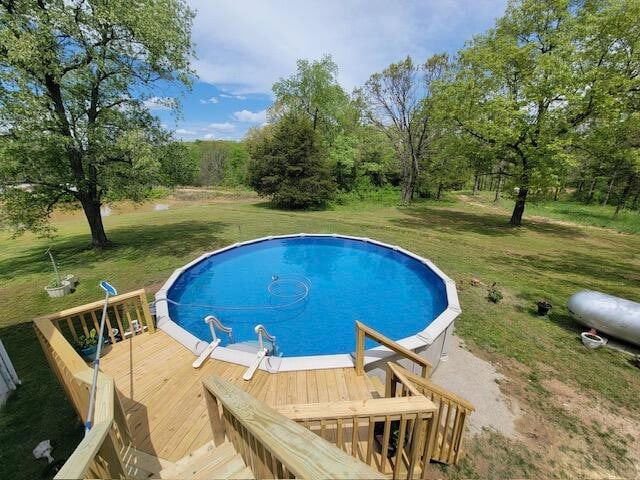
72 279
543 308
89 353
591 340
61 291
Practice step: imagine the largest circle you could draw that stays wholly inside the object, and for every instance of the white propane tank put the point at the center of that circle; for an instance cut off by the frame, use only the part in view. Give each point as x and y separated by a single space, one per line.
614 316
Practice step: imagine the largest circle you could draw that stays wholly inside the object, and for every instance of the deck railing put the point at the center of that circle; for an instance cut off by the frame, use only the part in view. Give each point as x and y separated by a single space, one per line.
389 434
450 417
272 445
363 331
128 314
100 453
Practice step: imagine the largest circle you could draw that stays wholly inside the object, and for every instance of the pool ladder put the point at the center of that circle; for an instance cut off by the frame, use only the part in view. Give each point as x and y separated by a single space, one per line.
213 323
262 350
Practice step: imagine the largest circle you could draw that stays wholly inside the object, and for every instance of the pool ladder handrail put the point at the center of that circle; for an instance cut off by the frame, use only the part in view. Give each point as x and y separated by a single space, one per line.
262 335
214 323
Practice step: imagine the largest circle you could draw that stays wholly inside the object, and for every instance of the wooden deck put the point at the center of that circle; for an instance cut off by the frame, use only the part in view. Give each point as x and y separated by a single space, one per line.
163 395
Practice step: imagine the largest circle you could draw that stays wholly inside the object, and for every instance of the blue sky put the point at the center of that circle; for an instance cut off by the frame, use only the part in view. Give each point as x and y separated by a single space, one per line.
244 46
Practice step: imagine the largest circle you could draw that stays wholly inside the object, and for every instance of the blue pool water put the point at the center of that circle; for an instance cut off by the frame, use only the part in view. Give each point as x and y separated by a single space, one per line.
308 292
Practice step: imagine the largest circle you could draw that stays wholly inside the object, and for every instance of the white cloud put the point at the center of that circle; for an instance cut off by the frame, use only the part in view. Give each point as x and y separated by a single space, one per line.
251 117
211 100
237 97
184 131
159 103
221 127
255 42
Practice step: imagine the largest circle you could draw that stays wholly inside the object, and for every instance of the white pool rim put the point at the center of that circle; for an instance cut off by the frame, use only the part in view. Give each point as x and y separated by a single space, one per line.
421 340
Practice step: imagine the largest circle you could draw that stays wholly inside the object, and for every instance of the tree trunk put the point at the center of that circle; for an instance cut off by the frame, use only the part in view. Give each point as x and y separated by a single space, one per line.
475 185
439 194
555 194
606 197
625 195
518 209
497 197
634 203
591 190
580 187
91 209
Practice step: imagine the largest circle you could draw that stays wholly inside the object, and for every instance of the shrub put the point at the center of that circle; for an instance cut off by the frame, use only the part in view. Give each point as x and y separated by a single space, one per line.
494 294
289 167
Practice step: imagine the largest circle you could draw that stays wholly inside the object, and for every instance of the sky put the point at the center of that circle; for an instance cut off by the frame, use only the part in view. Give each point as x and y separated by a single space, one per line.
244 46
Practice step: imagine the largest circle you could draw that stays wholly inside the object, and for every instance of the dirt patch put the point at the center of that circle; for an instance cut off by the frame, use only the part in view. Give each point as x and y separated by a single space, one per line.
578 435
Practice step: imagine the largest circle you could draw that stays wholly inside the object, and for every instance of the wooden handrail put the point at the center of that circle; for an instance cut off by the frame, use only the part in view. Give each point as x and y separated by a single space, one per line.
388 433
98 304
428 385
445 444
373 407
99 454
274 446
363 331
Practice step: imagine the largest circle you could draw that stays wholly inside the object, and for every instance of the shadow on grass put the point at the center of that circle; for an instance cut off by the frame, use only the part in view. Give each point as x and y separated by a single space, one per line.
38 410
130 242
485 223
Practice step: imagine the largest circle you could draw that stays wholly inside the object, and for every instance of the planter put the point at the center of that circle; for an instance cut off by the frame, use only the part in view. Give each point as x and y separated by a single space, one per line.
543 308
591 340
61 291
89 353
72 279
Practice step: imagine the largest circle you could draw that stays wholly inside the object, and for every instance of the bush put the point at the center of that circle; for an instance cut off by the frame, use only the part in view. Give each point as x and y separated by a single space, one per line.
289 166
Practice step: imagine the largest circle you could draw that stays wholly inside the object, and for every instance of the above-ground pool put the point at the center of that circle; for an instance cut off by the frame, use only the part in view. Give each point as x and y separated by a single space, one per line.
308 291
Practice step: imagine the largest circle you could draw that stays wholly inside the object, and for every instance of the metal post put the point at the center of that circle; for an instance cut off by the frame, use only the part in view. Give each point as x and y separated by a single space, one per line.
96 363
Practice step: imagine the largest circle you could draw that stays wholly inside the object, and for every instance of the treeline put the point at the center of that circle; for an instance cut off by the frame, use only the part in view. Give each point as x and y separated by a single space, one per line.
546 101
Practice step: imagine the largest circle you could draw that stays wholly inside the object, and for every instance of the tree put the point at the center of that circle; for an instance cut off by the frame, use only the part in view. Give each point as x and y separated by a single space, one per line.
288 165
313 91
74 77
544 70
397 103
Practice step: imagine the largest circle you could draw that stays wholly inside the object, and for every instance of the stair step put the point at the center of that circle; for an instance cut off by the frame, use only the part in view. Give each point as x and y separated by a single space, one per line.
378 387
202 458
244 474
142 465
231 466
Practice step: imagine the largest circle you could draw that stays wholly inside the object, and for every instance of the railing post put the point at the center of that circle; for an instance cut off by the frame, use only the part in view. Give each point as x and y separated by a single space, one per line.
146 312
359 349
215 416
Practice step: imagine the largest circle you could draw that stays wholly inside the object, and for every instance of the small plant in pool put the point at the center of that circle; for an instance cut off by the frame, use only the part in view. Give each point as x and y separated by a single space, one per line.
494 294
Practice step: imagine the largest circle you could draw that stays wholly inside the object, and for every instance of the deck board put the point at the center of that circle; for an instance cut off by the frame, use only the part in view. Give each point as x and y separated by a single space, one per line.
163 396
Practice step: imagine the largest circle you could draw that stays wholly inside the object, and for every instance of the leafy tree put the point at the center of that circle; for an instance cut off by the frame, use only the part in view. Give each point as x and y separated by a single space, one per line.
313 91
541 73
288 165
397 103
73 79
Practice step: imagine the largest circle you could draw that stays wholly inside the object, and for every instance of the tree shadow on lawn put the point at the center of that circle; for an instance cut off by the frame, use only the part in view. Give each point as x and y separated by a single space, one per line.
595 269
130 242
486 223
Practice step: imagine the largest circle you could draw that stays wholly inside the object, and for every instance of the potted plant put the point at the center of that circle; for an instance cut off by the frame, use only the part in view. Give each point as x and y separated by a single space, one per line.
87 345
543 307
58 288
72 279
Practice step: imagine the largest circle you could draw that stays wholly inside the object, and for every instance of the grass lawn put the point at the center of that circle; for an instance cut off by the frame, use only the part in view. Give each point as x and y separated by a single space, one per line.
567 210
542 359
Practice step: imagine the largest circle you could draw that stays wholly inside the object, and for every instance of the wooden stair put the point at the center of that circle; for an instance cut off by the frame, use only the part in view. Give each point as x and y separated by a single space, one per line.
206 462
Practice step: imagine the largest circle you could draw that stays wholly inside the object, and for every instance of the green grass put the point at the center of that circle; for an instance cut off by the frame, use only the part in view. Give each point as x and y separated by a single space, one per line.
538 260
566 210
